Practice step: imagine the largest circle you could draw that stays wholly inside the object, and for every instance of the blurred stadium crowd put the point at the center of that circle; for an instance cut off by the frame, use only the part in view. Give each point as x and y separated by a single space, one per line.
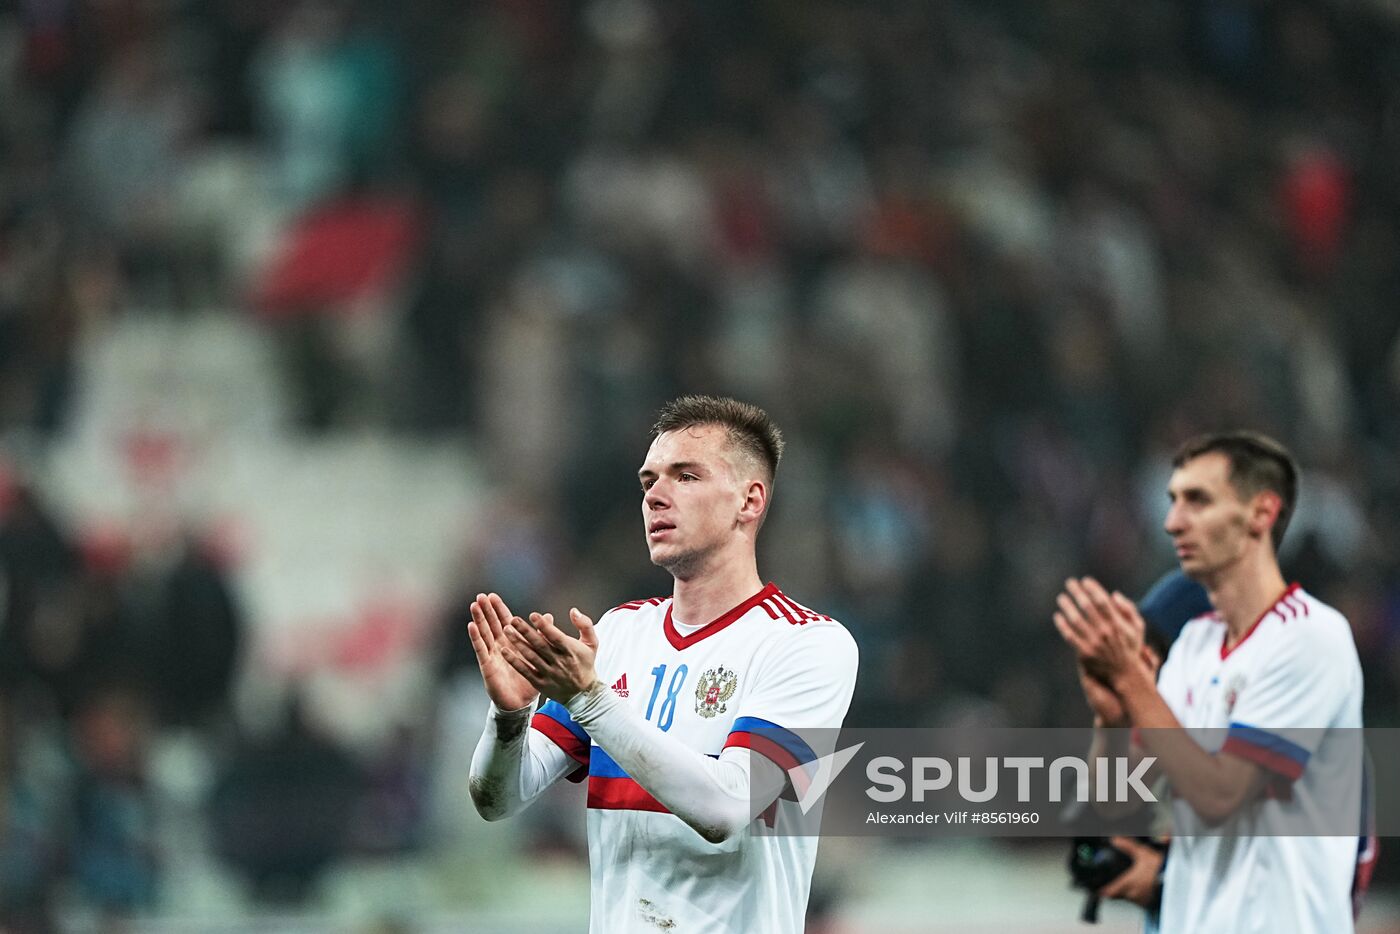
986 263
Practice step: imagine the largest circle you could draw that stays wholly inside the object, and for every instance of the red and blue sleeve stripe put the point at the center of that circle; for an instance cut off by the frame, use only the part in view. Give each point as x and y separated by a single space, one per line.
1267 750
610 788
782 747
553 720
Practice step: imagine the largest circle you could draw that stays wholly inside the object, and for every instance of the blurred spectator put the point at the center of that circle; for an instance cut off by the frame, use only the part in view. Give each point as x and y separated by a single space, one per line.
390 818
279 809
197 643
1316 198
30 849
113 849
126 152
40 627
327 98
888 318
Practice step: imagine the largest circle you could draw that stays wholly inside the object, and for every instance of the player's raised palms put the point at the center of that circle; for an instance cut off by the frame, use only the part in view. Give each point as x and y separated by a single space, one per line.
506 687
1107 707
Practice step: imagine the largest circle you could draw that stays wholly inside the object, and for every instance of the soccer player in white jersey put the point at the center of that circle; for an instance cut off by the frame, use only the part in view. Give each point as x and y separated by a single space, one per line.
1270 661
683 712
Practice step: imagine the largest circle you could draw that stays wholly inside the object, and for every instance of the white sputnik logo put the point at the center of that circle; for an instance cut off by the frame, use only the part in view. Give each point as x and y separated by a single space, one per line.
811 781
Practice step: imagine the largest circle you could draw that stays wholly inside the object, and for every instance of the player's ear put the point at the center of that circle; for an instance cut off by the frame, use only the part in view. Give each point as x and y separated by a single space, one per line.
1263 513
755 501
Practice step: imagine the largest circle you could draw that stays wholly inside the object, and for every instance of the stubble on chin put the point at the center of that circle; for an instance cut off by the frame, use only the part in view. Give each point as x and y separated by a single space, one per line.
681 566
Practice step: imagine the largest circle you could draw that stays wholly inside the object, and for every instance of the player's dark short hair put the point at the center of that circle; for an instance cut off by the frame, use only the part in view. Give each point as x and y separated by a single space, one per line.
746 427
1257 463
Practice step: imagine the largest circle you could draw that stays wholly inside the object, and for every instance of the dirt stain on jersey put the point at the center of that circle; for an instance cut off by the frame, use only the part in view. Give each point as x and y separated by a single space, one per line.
653 917
489 793
508 731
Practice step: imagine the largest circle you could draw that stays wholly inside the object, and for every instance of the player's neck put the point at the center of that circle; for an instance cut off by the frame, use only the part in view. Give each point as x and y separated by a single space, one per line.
1246 593
727 582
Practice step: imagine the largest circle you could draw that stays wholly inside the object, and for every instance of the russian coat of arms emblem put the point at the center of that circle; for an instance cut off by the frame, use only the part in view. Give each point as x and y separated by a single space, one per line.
716 687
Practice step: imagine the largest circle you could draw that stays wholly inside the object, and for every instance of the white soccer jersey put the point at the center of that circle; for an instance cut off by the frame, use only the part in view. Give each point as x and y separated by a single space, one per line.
769 662
1296 668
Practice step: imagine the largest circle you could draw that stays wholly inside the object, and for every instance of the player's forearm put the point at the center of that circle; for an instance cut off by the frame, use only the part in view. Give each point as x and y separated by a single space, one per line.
506 774
711 796
1111 743
1207 782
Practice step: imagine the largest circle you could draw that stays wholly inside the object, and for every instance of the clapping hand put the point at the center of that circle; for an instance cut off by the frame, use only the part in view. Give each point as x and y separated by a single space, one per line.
1106 632
557 665
507 688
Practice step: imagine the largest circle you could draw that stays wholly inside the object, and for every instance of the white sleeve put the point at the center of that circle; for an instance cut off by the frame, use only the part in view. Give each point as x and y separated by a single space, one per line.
1280 715
513 764
712 796
1169 678
799 697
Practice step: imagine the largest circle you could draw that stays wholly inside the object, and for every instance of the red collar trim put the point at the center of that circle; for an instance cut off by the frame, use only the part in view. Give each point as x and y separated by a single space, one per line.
1224 652
679 641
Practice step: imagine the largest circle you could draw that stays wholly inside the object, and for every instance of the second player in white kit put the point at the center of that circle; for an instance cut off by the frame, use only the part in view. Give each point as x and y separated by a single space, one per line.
1272 675
1265 699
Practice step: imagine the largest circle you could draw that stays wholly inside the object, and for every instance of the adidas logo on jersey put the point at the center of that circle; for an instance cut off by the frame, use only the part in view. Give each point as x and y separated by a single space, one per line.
620 687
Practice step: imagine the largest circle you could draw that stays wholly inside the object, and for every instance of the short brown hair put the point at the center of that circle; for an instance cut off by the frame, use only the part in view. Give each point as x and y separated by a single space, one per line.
746 427
1257 463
